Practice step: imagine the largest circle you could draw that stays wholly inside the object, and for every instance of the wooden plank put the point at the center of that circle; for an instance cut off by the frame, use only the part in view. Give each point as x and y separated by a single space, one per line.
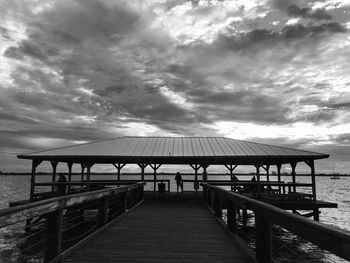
160 230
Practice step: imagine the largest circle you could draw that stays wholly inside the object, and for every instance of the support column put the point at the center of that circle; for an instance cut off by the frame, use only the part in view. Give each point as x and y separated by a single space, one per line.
195 167
142 166
88 168
119 167
205 175
70 165
279 166
258 180
231 168
267 169
155 168
82 171
35 164
311 164
293 165
54 166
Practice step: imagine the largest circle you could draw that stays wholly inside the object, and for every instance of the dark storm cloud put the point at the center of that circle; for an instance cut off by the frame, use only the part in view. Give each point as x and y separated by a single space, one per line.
296 11
240 105
339 105
318 117
27 49
268 38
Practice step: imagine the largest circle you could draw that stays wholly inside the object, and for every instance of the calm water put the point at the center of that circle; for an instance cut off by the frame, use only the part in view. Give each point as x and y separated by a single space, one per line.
17 188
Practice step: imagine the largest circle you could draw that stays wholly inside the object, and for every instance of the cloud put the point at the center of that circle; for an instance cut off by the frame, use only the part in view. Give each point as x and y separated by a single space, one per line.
240 105
267 38
90 70
318 14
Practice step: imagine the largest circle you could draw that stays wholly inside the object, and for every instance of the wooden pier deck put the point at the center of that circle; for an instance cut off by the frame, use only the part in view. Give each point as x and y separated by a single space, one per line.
164 228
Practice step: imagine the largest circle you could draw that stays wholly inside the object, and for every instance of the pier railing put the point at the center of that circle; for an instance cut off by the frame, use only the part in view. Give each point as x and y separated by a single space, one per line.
266 215
49 230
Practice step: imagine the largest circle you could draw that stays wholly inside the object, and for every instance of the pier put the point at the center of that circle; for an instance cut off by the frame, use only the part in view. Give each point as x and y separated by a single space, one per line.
91 219
126 224
168 228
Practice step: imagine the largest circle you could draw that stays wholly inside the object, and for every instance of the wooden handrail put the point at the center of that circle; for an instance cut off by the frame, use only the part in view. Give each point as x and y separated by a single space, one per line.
326 237
109 203
30 210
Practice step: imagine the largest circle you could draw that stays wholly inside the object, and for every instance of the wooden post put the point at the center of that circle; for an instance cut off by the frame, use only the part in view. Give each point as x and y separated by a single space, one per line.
279 166
231 217
54 166
103 211
142 166
293 165
82 171
217 205
118 167
244 216
195 167
205 175
123 202
263 239
70 165
88 168
35 164
231 168
54 235
311 164
155 168
258 179
209 197
267 169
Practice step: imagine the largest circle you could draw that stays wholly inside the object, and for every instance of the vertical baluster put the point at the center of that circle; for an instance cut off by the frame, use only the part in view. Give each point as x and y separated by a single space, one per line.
231 217
263 239
54 236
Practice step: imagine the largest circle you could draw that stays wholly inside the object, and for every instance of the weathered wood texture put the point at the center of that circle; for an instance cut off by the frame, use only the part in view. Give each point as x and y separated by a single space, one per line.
163 230
332 239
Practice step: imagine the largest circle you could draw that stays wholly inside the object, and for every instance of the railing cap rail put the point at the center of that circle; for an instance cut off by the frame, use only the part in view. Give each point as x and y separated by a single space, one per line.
60 202
278 215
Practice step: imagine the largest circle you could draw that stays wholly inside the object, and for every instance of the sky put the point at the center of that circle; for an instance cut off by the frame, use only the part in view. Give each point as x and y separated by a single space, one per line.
270 71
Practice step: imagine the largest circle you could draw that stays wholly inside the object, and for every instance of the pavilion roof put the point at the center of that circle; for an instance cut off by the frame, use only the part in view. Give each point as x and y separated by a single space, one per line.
177 150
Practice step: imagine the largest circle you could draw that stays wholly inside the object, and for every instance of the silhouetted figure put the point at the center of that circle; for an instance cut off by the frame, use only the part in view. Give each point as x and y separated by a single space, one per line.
61 189
253 187
235 187
179 182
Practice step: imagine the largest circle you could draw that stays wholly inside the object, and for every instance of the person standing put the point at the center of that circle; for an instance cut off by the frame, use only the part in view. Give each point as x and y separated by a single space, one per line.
61 189
179 182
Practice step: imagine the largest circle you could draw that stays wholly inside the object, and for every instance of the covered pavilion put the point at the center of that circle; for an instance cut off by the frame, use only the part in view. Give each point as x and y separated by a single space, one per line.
198 152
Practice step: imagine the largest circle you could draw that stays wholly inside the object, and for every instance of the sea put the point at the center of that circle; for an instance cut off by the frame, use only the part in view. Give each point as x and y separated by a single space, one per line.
14 188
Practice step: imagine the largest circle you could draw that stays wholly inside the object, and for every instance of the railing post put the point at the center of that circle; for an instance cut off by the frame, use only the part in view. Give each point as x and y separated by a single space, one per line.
204 193
141 192
209 194
134 196
263 239
103 212
217 205
54 234
244 216
123 202
231 216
